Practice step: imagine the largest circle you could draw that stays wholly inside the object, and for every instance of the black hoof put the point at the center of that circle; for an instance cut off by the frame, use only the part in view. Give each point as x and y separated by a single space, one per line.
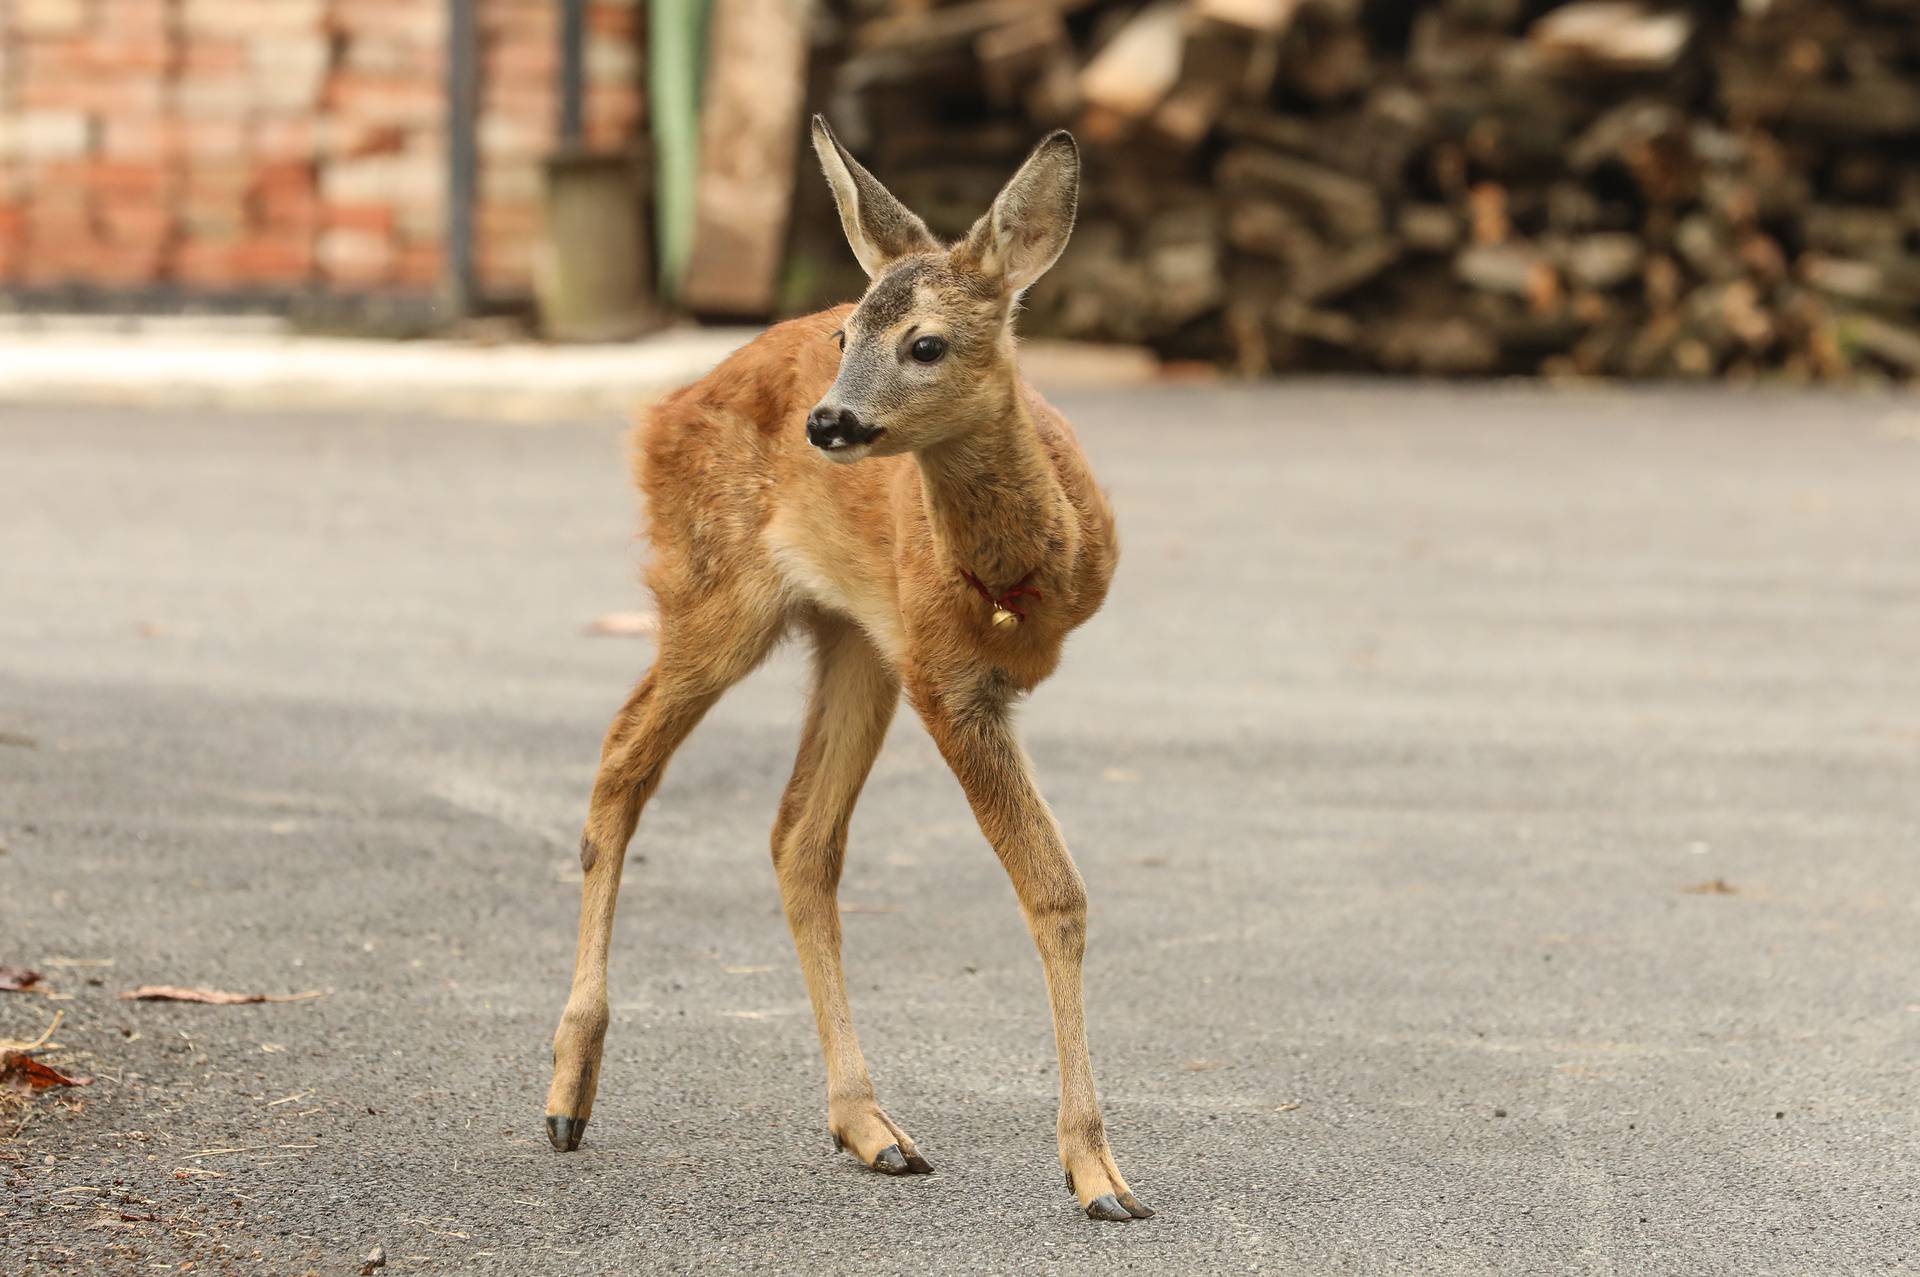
1069 1181
1135 1207
918 1164
565 1132
890 1161
1108 1207
839 1145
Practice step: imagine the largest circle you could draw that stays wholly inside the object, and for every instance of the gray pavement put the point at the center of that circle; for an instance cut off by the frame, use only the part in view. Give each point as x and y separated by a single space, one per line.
1414 716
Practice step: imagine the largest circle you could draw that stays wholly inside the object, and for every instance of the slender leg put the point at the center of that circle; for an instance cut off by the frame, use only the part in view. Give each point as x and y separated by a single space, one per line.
969 722
854 695
694 667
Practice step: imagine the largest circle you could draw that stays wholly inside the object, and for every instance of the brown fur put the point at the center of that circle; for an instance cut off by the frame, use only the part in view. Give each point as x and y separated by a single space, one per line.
756 533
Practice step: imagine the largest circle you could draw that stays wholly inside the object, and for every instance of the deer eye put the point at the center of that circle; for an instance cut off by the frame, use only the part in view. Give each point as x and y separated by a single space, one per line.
928 349
841 336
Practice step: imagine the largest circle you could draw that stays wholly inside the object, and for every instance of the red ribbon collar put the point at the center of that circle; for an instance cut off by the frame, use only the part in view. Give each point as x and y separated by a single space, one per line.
1009 600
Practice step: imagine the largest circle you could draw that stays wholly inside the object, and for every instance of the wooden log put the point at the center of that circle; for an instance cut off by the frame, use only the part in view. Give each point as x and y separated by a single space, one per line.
1705 247
1605 261
1134 71
1612 35
749 140
1618 133
1486 15
1527 335
1893 284
1887 108
1217 65
1332 275
1572 207
1267 229
1293 133
1895 344
1269 17
1343 207
1327 62
1428 228
950 26
1252 352
1854 231
1331 327
1028 63
1508 269
1375 143
1488 213
1454 346
1182 256
1439 53
1188 113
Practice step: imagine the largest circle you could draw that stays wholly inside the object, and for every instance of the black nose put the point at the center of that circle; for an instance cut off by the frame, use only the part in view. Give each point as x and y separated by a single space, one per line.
830 428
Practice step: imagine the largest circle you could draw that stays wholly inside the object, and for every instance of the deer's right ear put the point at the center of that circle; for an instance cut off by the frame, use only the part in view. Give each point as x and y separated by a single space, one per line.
879 227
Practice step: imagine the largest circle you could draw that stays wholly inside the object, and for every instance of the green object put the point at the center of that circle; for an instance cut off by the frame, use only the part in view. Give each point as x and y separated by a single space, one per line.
676 65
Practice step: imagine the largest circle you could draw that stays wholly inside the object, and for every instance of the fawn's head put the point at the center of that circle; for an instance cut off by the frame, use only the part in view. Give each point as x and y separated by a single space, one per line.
929 349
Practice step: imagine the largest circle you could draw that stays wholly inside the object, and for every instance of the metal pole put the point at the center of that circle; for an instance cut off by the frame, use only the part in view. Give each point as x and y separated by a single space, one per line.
463 83
573 72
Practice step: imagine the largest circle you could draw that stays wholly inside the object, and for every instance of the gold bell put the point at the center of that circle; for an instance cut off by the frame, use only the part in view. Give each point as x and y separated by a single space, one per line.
1003 618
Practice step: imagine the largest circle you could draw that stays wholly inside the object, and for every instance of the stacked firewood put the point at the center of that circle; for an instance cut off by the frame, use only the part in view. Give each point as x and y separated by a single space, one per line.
1452 187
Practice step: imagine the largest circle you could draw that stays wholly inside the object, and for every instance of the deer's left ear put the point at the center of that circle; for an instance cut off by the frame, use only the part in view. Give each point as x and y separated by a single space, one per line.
1027 228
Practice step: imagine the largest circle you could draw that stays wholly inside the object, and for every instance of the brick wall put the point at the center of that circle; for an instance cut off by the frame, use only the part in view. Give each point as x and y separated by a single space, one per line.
520 109
280 145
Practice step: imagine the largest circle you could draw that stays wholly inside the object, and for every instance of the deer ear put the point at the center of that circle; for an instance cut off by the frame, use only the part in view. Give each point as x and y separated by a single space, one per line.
880 227
1027 228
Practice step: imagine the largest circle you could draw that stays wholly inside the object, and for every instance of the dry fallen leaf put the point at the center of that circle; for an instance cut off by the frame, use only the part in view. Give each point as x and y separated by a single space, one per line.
624 624
17 979
214 997
1712 887
1205 1066
18 1069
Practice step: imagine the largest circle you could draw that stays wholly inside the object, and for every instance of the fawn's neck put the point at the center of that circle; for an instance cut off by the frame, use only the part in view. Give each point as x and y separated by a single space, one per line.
993 497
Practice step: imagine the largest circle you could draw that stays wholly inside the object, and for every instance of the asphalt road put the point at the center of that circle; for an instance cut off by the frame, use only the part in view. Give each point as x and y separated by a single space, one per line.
1402 765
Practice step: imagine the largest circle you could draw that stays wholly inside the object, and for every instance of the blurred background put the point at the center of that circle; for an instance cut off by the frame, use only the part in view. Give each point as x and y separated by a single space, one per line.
1462 187
1499 801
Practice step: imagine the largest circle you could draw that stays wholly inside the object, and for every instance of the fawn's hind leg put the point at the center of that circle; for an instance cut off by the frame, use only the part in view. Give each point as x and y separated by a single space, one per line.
854 695
702 654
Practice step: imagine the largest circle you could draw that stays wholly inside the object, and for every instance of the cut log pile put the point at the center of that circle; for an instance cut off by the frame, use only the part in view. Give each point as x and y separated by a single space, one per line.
1460 187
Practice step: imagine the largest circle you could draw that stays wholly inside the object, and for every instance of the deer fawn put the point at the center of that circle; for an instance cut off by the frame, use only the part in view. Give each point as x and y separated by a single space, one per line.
953 561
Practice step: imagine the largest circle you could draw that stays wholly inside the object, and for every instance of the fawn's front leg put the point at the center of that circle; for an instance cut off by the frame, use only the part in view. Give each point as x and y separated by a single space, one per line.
970 724
854 694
